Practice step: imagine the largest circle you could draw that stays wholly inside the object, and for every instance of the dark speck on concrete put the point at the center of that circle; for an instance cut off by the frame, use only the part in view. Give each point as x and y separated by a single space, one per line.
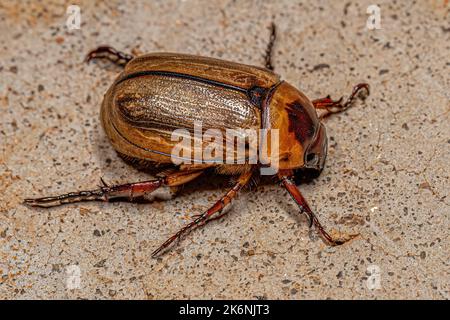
320 66
100 264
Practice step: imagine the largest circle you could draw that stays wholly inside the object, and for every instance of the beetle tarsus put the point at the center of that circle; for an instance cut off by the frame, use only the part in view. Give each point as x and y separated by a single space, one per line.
269 50
104 184
218 208
128 191
288 182
336 106
46 202
111 54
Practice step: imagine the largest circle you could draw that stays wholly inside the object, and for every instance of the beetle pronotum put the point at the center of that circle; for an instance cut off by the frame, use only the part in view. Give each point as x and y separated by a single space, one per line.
157 93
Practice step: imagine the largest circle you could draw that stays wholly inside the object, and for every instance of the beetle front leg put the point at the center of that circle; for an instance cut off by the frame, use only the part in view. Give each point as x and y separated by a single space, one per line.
111 54
336 106
287 180
220 208
129 191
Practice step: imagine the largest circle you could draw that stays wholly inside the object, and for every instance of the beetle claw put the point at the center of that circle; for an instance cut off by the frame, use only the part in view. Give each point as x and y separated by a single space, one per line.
104 183
311 222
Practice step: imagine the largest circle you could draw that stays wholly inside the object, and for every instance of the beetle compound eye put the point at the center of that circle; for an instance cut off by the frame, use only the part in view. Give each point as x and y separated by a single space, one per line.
311 158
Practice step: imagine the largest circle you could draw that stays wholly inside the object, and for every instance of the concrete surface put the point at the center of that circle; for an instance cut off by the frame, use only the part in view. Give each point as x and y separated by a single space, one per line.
387 173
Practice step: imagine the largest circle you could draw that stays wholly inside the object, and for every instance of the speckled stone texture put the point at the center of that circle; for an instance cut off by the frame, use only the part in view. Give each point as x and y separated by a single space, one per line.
386 177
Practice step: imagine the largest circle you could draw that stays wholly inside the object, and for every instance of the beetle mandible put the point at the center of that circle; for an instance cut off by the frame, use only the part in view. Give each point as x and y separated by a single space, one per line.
157 93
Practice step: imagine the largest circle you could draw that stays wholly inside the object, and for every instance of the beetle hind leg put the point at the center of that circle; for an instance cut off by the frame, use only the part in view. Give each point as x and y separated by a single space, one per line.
336 106
161 188
109 53
219 209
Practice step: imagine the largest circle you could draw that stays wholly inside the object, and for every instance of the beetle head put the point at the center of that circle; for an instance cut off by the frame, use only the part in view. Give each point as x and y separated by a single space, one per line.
314 157
302 137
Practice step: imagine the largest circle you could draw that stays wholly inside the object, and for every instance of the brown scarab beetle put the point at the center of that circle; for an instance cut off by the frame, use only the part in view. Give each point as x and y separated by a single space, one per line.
160 92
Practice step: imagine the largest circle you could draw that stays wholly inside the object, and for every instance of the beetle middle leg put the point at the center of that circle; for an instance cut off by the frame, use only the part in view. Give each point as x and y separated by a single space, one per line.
111 54
128 191
335 106
219 208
